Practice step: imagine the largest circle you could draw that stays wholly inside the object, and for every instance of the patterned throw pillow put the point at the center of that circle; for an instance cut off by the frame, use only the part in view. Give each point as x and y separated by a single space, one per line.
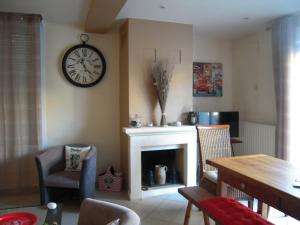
74 157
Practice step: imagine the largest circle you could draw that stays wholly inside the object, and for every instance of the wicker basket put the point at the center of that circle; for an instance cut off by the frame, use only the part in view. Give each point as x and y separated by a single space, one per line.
108 181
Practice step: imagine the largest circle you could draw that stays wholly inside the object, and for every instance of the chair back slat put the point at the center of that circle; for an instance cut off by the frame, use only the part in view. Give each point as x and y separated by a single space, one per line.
214 142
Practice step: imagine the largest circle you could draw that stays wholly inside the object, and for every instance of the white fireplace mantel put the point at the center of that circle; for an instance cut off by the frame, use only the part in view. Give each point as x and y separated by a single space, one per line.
160 138
158 130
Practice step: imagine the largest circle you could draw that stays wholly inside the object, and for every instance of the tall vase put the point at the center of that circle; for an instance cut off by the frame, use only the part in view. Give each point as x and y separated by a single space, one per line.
163 120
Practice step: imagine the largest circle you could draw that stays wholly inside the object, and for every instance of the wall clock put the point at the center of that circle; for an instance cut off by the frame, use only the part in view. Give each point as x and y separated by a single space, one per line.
83 65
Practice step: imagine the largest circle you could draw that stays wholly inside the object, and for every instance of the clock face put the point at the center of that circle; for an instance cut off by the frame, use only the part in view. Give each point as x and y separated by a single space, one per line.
83 65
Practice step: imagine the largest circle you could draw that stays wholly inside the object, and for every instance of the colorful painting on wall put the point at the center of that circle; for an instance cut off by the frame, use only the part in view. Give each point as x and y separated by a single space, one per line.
207 79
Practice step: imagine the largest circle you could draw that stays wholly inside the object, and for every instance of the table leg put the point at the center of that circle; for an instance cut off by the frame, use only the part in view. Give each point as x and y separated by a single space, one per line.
221 186
263 209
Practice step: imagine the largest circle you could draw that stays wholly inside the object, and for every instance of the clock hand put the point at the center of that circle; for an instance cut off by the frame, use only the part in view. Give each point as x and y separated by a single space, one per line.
89 61
78 61
84 66
88 71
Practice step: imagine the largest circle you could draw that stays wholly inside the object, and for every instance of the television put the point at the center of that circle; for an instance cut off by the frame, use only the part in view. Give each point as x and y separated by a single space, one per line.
217 118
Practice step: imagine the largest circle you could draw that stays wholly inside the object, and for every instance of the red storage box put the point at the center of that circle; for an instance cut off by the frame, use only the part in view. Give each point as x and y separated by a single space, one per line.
109 181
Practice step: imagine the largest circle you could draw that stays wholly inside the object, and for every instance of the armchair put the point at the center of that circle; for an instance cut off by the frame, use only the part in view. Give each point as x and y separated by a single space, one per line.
54 181
96 212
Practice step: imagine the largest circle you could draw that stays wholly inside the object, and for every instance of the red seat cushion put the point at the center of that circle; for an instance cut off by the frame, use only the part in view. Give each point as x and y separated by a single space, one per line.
230 212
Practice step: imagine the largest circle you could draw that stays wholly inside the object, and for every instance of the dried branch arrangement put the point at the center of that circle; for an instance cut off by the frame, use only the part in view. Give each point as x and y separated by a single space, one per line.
161 75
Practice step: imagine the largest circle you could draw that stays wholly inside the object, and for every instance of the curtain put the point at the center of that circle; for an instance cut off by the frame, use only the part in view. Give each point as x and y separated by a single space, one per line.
20 99
294 107
284 51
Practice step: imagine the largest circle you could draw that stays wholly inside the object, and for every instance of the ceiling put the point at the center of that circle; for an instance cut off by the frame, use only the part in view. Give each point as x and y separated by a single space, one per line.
221 18
228 19
73 12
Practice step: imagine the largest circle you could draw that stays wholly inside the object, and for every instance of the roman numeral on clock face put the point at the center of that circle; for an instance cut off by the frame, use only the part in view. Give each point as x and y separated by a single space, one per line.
72 73
91 78
84 52
77 77
71 66
77 53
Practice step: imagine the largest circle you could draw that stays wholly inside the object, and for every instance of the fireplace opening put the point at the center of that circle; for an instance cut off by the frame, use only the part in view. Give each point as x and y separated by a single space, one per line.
159 163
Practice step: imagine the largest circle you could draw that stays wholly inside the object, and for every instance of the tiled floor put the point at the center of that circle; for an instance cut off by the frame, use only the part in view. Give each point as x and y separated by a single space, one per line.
162 210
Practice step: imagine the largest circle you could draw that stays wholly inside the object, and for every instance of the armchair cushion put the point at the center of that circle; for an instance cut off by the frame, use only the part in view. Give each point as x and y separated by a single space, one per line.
63 179
74 156
211 175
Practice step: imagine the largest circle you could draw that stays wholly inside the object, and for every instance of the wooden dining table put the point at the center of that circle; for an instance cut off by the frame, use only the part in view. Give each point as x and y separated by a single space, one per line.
266 178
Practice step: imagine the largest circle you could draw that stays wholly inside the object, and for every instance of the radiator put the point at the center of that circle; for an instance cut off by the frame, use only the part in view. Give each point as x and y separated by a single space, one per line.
256 138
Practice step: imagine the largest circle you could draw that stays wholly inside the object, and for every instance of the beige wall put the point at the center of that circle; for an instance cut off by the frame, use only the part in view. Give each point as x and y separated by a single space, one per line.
253 81
142 41
207 49
79 115
92 115
124 98
248 76
169 40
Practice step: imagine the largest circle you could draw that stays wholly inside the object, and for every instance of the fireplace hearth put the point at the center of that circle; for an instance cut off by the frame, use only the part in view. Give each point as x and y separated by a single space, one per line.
169 158
182 141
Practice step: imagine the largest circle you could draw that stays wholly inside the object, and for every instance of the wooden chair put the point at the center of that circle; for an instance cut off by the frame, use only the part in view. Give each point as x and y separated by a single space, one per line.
214 142
193 195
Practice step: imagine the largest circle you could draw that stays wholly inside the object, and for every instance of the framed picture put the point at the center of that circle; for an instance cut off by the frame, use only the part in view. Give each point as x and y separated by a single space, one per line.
207 79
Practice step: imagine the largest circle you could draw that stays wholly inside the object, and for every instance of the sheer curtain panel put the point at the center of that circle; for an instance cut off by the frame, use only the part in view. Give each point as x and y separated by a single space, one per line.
294 107
20 100
283 41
